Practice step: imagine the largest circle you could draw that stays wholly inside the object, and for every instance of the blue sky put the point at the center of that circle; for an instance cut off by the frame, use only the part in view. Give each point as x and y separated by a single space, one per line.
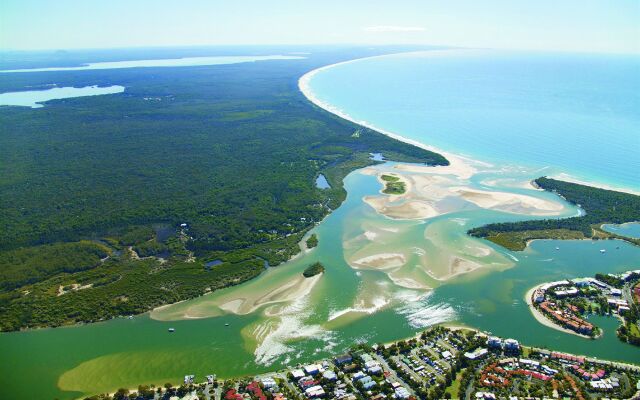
571 25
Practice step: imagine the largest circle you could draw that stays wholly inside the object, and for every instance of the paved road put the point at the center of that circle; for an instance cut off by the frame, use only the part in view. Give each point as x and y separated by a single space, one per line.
393 373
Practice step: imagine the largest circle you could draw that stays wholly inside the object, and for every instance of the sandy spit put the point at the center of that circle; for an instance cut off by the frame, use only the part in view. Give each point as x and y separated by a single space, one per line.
544 320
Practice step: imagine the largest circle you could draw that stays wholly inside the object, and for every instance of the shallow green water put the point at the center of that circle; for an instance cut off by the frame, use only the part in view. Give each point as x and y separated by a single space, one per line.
124 352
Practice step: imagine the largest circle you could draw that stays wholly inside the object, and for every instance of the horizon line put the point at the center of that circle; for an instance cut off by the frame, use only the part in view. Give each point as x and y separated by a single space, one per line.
264 45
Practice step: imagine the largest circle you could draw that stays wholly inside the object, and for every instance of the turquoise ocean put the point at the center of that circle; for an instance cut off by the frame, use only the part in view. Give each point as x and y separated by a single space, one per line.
574 114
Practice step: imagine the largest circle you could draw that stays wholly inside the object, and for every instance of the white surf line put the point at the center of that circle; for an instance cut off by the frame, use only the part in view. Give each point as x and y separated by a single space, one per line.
305 88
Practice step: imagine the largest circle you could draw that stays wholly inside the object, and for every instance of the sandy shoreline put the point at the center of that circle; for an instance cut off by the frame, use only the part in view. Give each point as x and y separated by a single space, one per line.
240 303
303 84
428 185
544 320
456 161
433 193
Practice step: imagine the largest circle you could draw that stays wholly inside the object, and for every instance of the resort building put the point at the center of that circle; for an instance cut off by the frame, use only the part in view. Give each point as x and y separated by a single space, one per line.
495 342
477 353
511 345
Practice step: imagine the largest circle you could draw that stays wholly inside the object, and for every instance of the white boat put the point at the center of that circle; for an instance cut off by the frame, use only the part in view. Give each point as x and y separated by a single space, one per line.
557 248
172 329
603 251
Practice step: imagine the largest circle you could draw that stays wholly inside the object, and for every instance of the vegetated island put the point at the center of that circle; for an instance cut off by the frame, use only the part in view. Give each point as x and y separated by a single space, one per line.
564 304
393 185
313 270
601 206
118 214
312 241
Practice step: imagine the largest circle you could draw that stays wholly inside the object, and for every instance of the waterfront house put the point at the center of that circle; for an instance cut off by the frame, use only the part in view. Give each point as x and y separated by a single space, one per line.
570 292
581 282
366 358
343 359
538 297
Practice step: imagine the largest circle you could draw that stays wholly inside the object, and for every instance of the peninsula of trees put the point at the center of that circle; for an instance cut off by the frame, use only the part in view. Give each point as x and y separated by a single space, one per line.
601 206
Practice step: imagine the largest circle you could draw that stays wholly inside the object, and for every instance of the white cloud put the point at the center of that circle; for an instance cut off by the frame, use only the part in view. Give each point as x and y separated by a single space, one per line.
393 28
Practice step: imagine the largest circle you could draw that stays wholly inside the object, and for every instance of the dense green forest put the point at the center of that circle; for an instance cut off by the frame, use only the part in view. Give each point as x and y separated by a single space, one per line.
223 158
600 206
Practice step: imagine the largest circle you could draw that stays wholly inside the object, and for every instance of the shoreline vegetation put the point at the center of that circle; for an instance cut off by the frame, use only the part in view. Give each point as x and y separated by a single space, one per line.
154 242
313 270
312 241
601 207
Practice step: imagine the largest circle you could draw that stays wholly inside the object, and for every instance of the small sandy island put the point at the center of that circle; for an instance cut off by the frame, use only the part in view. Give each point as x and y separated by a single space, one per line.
380 261
403 210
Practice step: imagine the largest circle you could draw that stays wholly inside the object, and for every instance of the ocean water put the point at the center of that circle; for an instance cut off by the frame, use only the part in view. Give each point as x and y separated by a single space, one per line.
572 114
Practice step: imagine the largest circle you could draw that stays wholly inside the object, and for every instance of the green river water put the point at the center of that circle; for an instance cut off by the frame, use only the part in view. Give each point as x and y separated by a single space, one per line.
344 306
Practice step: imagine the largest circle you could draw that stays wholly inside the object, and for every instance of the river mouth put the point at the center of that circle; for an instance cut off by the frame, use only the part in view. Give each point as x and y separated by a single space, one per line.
281 318
391 270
